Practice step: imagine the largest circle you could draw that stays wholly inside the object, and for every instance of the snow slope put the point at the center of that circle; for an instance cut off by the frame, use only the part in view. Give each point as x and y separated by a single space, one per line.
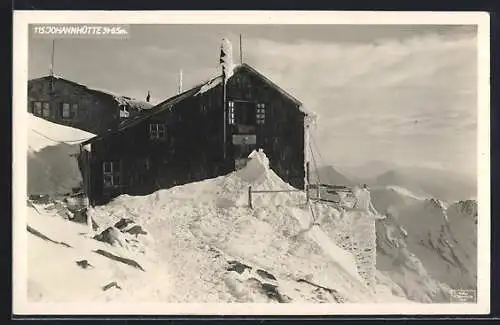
52 164
209 246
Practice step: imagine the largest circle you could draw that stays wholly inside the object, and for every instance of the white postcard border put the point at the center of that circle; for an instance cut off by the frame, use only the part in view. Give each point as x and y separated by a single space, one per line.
20 76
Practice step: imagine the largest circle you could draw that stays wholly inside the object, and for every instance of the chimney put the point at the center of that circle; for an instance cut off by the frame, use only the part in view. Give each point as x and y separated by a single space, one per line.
148 97
226 58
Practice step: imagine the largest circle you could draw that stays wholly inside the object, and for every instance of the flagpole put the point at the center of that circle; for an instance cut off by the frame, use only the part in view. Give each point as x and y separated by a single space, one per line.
225 110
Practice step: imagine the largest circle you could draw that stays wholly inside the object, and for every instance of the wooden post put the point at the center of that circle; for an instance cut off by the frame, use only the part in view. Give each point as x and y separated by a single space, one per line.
308 177
250 197
307 182
225 110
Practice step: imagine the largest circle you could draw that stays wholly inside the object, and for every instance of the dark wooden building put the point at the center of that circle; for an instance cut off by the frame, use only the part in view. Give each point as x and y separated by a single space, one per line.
191 137
69 103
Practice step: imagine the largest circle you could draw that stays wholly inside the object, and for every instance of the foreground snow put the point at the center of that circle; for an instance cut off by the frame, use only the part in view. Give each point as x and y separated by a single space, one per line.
206 245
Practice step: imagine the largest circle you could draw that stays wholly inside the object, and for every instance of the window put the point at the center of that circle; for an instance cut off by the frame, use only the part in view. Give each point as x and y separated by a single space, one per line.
261 113
74 110
242 112
66 113
231 112
124 113
37 108
111 174
69 111
157 131
46 110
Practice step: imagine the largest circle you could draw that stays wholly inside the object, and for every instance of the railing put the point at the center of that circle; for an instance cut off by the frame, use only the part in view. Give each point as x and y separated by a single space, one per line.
317 187
250 192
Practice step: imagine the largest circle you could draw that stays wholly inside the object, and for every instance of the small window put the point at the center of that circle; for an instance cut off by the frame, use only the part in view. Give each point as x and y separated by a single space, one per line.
66 112
37 108
231 112
261 113
157 131
110 174
107 167
69 111
46 110
74 110
124 113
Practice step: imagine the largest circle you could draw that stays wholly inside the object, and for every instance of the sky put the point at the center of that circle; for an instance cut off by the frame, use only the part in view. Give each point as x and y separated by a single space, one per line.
402 94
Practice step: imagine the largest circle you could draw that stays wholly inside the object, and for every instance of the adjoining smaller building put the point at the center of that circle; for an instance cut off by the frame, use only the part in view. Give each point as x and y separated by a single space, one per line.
69 103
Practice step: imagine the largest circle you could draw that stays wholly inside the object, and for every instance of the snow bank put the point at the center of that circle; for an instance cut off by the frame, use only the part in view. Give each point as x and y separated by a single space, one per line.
205 245
52 149
43 133
203 227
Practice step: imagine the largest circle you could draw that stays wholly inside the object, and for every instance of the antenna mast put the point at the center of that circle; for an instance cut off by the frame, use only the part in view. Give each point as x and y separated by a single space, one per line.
180 81
241 51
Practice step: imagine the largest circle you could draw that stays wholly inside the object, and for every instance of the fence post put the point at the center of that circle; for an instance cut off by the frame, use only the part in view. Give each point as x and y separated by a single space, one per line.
250 197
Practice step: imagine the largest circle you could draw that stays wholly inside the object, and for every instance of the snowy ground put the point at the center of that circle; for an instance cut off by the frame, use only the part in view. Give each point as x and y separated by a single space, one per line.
204 245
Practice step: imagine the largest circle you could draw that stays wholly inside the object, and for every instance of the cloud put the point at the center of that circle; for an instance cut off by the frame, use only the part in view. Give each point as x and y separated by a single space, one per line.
411 100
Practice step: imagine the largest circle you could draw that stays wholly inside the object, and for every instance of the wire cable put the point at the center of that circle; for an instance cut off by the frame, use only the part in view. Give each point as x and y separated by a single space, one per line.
59 141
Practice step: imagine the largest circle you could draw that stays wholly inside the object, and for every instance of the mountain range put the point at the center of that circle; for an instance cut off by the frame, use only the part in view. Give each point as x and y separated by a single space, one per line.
445 185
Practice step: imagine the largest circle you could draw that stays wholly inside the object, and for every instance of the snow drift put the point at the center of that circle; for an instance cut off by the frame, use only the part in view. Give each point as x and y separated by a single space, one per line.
209 246
52 164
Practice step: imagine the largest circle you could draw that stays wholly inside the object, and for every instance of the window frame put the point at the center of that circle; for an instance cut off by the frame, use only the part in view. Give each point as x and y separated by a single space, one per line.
157 131
74 111
68 110
111 174
231 116
260 114
40 109
45 109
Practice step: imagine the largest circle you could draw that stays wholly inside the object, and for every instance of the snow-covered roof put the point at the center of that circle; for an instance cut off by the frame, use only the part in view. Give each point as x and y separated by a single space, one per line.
121 100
